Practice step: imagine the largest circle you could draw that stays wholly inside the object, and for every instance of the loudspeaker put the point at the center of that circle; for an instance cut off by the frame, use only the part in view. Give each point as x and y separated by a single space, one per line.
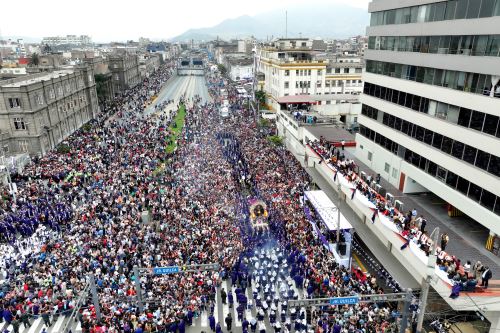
342 249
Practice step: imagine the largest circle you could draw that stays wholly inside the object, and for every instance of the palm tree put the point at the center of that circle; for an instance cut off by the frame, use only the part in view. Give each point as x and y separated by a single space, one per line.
35 60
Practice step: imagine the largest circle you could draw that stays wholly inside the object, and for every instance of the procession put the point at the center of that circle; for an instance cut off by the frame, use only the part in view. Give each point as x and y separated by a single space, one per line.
78 212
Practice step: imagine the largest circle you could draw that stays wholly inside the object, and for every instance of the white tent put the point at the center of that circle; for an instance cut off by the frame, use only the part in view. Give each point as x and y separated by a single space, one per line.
327 210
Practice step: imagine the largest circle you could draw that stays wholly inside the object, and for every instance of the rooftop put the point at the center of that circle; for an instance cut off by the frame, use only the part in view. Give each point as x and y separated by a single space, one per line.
37 78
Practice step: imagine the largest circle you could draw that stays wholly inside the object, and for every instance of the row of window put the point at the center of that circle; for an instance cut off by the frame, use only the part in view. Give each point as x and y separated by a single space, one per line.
481 45
457 149
439 11
475 120
469 82
467 188
15 102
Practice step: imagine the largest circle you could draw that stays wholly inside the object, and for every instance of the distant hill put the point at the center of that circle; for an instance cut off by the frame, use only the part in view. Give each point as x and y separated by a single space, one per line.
308 20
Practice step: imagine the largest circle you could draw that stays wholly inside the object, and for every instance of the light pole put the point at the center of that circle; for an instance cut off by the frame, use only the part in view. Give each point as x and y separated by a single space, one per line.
431 265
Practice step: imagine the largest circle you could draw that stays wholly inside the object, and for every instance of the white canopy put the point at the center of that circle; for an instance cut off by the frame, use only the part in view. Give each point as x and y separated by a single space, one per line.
327 210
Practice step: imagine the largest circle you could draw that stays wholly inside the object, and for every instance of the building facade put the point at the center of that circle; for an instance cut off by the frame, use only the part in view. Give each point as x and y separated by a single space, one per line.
431 103
291 67
81 40
39 111
125 71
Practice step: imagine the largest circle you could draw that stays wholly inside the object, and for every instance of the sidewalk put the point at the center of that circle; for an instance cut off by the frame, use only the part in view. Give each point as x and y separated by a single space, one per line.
466 248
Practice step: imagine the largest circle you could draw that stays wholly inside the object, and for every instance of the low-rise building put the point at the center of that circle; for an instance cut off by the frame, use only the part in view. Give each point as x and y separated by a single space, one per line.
148 63
39 111
67 40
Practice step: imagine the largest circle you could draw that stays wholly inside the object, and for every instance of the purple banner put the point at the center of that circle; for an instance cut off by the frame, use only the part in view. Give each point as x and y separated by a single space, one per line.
307 213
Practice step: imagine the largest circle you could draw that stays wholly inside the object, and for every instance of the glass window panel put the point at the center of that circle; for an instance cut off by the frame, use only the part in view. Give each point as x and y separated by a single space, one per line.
493 46
454 44
446 145
487 7
464 117
434 44
458 149
408 101
496 12
399 16
420 74
463 185
406 15
392 119
477 121
415 102
473 9
450 10
414 14
405 128
479 45
397 124
494 167
424 104
460 80
451 179
395 95
422 164
402 98
437 140
470 154
490 124
439 11
497 206
432 168
488 199
474 192
422 10
428 136
420 133
461 9
441 173
483 159
391 16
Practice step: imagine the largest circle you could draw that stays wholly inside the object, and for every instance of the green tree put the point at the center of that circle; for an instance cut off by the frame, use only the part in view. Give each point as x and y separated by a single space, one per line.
222 69
35 60
275 140
260 96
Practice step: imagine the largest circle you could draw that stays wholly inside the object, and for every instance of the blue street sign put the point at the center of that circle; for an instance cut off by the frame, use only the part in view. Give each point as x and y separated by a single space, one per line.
344 300
166 270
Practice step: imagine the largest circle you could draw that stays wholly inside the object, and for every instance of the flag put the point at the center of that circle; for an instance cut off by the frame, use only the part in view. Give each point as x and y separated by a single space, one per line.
353 193
335 177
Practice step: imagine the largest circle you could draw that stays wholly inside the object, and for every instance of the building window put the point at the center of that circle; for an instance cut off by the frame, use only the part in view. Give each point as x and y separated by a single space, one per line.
394 173
287 84
23 145
287 72
38 99
68 89
19 124
319 72
59 91
370 156
14 103
337 70
52 94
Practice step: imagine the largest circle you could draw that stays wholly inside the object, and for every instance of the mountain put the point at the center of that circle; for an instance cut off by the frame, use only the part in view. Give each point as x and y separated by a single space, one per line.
308 20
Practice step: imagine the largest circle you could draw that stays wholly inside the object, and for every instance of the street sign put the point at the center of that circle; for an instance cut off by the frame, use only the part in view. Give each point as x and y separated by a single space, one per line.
344 300
166 270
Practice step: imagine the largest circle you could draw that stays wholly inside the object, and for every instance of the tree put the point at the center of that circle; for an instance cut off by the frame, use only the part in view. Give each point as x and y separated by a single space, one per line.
222 69
35 60
260 96
275 140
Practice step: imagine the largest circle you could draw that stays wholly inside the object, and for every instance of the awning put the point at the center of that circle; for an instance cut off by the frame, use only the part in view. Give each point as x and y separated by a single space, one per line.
296 99
327 210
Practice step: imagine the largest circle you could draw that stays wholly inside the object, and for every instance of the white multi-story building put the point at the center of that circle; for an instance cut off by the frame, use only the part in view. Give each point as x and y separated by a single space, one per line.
292 68
431 103
68 39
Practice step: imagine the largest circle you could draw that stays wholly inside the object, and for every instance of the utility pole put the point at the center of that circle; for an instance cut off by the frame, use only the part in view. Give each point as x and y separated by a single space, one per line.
406 310
339 192
431 265
138 290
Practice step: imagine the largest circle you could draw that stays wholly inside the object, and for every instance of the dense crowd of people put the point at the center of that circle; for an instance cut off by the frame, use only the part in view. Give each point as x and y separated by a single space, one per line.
411 226
117 200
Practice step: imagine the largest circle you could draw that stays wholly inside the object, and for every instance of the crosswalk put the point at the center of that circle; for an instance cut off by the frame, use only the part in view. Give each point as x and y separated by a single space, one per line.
37 326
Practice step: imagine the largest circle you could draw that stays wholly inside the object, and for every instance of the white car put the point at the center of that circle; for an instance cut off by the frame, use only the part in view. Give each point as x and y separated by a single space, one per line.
224 112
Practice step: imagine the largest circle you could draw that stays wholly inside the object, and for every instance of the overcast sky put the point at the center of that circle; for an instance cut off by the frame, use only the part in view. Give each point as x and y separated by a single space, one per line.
107 20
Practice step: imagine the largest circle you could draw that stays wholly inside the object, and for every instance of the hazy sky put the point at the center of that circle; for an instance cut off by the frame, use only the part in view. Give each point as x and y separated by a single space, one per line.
106 20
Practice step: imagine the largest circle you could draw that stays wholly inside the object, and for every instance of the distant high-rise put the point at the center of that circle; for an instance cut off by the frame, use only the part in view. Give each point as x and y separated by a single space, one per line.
431 103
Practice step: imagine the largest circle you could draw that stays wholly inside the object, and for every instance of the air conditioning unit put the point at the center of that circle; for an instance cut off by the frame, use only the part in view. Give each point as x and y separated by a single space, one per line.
399 205
389 197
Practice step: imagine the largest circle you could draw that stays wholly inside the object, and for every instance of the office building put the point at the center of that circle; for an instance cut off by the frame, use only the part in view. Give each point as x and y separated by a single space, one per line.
431 102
